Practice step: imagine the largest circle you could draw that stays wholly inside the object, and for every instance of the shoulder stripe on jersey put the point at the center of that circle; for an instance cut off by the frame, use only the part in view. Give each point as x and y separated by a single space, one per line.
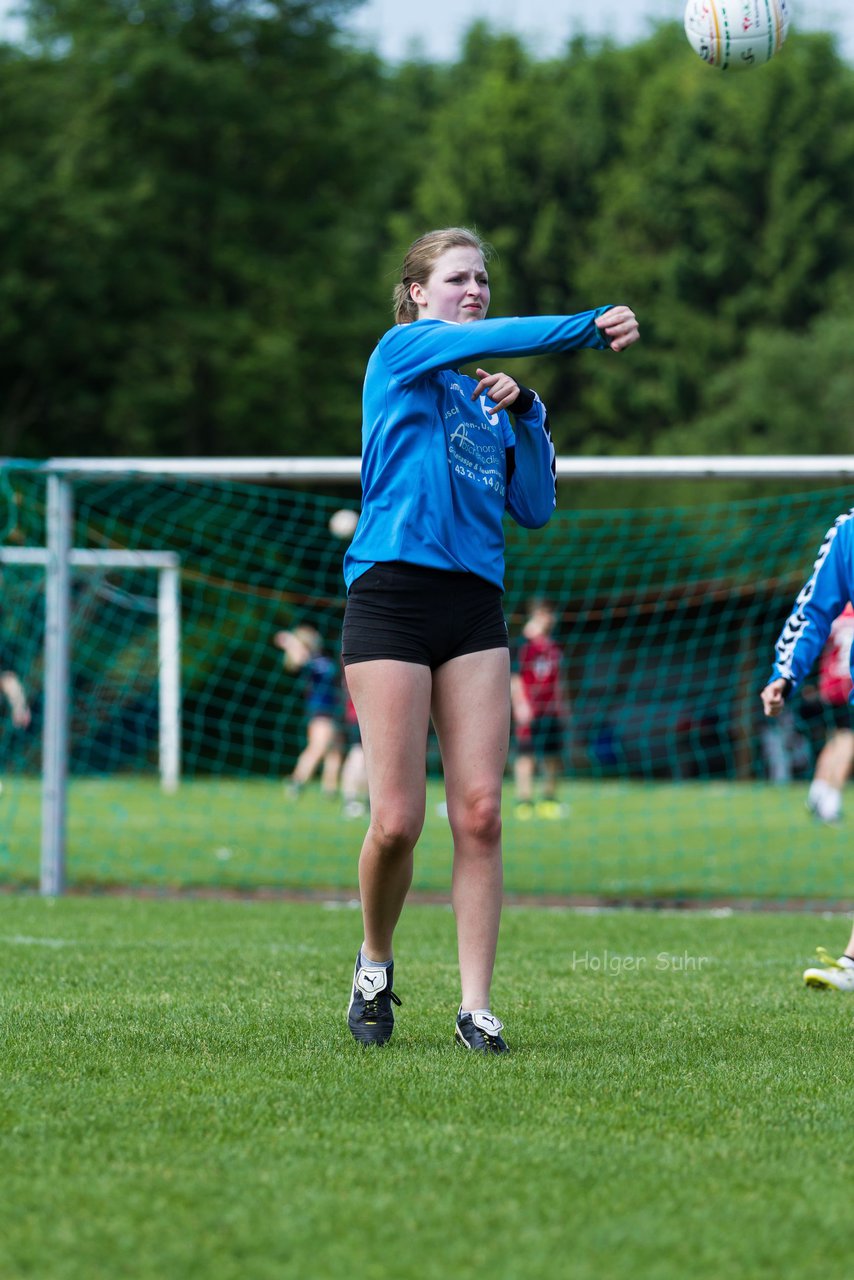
797 622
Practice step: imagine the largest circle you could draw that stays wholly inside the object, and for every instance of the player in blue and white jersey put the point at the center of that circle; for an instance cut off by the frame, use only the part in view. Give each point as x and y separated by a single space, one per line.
424 633
819 604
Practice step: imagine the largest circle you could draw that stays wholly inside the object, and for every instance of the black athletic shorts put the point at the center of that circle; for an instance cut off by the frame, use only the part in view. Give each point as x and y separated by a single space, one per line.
542 737
415 614
837 715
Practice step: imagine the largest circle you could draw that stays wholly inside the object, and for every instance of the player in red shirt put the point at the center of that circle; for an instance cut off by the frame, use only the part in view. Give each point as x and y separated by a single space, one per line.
539 713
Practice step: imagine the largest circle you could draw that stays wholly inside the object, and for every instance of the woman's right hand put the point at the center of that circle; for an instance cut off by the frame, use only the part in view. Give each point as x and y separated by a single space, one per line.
500 387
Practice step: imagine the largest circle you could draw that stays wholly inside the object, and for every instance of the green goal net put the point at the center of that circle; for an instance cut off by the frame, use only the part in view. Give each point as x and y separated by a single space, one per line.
672 785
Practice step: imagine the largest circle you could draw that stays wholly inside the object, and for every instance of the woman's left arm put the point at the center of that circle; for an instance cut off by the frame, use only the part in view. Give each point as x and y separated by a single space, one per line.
532 485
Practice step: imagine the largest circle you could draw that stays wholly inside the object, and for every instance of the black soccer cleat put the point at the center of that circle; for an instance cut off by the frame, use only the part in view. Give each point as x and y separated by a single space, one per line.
480 1031
370 1015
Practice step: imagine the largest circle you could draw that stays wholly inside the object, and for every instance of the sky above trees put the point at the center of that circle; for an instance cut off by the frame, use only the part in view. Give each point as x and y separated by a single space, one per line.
393 28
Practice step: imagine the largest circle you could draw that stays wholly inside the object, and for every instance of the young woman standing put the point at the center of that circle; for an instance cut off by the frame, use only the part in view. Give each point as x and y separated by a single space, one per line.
424 633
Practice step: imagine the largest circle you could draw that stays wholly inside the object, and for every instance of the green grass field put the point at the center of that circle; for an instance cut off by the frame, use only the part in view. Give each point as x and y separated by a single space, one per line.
181 1098
619 840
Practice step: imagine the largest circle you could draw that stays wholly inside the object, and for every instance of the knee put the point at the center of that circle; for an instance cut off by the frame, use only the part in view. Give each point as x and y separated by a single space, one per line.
395 832
480 822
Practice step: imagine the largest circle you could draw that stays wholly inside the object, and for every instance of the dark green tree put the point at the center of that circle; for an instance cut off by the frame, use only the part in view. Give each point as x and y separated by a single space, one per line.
203 205
204 232
726 220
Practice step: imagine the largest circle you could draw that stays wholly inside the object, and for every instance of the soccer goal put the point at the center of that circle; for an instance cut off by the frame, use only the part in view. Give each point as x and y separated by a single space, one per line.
671 785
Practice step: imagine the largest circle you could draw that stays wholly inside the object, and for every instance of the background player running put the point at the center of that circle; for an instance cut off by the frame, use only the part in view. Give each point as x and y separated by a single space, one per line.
303 650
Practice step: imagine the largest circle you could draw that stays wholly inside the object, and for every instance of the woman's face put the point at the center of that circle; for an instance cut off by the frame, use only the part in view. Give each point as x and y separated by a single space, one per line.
457 288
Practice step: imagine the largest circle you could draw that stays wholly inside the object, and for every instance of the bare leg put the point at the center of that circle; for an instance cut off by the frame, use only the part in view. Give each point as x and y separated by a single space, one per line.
832 769
322 736
471 712
849 950
392 701
835 759
551 773
331 768
523 776
354 784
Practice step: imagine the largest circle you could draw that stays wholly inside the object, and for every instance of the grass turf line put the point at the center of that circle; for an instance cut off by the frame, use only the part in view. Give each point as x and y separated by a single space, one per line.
181 1098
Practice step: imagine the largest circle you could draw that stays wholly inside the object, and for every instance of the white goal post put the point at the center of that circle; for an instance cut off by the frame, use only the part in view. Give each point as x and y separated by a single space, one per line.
167 565
59 557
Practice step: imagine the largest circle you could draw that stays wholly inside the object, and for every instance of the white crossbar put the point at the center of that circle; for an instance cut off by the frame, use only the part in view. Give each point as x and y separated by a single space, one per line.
700 467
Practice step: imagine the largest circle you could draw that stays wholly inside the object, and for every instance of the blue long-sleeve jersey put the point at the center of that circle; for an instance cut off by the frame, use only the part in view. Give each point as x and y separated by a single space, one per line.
821 599
435 474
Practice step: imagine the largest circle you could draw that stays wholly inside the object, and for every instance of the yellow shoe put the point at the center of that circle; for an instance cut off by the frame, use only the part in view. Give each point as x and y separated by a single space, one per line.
524 810
549 809
837 975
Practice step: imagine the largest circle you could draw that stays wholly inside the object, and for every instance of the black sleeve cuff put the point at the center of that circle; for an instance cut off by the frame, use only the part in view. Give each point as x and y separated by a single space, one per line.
524 402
